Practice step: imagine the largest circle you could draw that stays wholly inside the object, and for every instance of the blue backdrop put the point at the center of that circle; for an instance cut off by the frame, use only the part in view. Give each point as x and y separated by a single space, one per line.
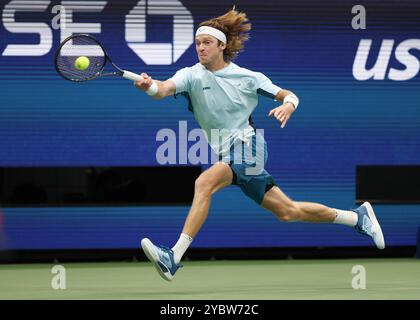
348 115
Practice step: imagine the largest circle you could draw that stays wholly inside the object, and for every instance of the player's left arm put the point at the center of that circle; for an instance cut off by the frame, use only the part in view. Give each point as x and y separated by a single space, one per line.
289 104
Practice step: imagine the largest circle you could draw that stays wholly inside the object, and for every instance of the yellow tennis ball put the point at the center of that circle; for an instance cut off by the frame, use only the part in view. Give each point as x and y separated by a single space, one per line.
82 63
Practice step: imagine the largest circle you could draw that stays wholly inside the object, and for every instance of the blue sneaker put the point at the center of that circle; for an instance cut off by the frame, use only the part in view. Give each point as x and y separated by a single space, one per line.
368 225
162 258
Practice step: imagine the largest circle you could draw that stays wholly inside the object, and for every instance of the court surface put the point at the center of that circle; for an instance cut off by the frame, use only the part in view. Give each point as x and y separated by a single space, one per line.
256 279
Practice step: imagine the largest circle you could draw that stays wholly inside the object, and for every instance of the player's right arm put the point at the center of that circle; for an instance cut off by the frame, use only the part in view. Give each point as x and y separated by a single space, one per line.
164 88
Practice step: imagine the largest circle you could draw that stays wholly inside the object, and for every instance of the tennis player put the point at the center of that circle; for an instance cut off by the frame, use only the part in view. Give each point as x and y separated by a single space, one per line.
223 95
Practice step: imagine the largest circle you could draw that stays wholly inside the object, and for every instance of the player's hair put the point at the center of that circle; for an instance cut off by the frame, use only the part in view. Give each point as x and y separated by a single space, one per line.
235 26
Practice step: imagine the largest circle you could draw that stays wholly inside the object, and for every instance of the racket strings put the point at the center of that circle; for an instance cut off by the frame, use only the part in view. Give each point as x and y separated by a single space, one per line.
80 46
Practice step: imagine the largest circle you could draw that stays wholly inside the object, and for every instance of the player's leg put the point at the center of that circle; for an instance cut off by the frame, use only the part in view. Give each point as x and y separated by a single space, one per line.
287 210
210 181
260 187
165 260
363 219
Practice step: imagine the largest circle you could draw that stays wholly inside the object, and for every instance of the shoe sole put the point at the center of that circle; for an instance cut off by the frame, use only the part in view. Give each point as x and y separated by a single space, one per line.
148 249
371 214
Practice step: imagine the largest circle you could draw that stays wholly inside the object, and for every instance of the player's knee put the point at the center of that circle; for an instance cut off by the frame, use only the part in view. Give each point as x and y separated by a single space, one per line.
203 187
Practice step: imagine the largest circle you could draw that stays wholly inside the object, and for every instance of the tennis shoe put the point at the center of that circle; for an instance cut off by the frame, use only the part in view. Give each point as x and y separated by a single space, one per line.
162 258
368 225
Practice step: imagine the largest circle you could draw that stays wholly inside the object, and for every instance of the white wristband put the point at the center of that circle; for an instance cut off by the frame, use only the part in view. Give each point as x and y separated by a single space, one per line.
292 99
153 89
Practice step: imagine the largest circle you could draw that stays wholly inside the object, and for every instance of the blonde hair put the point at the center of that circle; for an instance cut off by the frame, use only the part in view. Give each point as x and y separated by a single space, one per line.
235 26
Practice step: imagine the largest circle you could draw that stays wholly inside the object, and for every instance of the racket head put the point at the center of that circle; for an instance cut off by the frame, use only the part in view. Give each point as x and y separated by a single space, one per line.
76 46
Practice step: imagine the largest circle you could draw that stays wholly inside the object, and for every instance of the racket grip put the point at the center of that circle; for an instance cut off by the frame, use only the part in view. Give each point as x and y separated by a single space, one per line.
131 76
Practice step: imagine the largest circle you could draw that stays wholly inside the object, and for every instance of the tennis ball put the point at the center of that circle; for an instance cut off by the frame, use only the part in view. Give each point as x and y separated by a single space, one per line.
82 63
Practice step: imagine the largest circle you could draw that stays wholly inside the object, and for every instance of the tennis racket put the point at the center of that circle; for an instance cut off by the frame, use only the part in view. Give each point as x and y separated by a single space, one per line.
84 45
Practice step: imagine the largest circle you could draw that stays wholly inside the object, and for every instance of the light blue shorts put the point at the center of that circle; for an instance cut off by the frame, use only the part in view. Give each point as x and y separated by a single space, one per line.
247 161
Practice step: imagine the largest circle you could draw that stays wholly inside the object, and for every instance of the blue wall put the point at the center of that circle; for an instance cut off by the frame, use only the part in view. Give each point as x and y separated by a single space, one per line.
305 46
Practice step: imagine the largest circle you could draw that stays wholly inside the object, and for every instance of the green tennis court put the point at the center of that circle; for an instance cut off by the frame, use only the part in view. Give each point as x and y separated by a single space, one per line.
256 279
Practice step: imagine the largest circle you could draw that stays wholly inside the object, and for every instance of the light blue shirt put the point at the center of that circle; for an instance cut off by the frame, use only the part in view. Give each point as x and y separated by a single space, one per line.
223 100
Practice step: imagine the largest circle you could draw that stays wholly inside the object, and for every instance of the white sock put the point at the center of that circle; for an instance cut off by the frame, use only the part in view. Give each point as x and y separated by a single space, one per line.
181 246
346 217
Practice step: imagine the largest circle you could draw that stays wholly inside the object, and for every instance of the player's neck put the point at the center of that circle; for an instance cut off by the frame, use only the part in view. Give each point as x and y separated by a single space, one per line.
217 65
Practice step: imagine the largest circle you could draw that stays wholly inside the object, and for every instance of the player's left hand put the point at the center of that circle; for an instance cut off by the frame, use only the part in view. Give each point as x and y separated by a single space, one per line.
283 113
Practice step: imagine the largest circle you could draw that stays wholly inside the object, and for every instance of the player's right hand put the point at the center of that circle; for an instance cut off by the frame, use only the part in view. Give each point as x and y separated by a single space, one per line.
145 83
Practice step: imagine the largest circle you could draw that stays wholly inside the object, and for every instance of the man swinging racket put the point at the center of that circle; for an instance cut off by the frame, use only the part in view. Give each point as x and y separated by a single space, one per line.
227 103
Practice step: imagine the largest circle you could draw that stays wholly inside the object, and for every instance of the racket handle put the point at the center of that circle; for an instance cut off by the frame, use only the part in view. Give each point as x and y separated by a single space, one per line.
131 76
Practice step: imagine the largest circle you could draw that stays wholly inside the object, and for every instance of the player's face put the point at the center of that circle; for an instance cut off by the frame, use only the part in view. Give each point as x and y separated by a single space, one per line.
208 49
